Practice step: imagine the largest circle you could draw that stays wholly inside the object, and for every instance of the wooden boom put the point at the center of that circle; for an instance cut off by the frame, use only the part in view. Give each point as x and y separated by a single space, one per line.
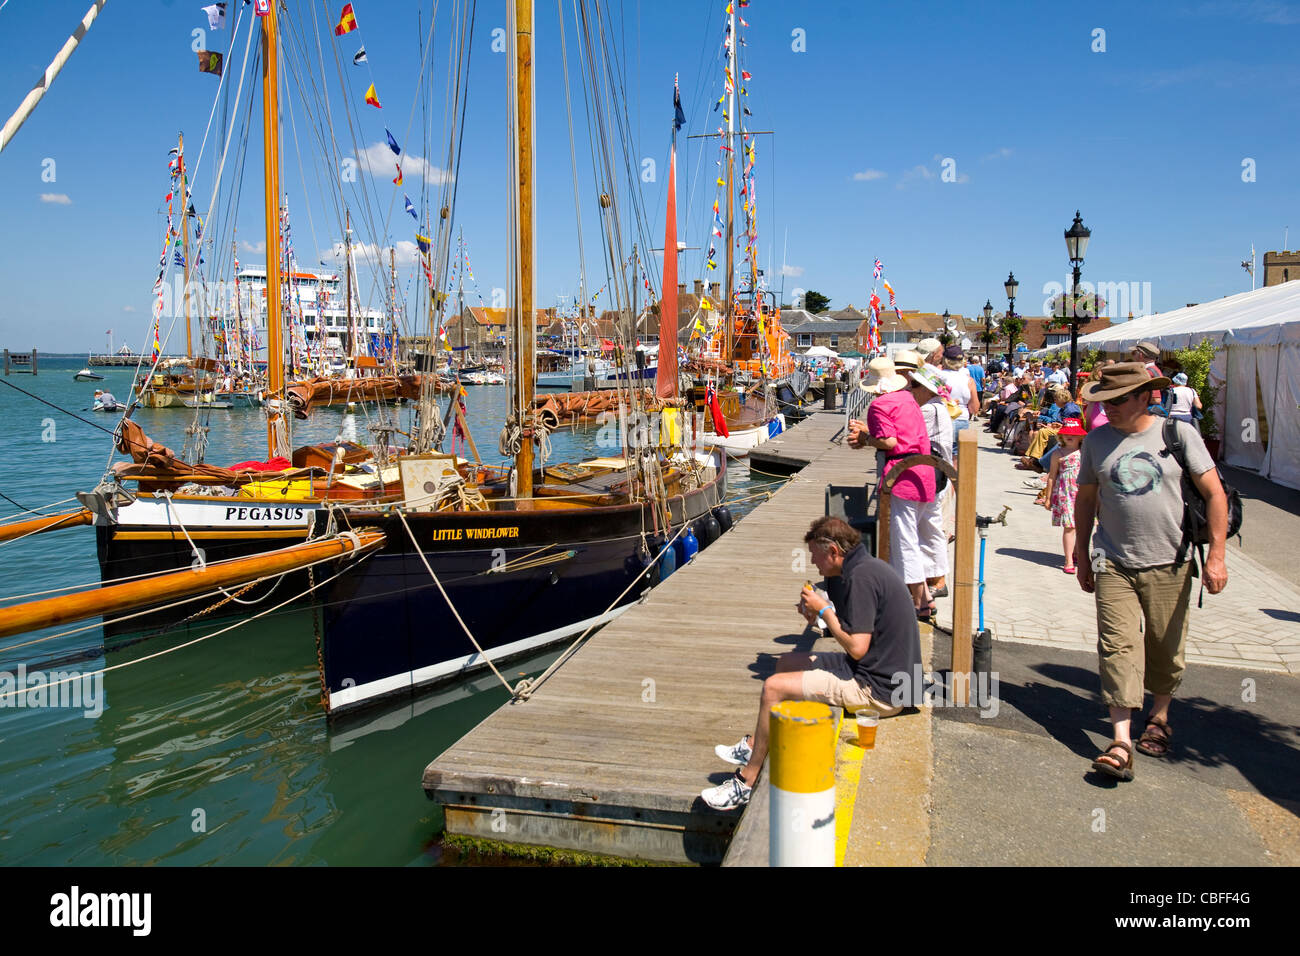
133 595
37 525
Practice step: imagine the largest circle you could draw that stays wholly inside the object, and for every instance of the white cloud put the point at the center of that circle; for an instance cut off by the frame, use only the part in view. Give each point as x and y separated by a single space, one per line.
963 178
378 160
59 199
917 173
128 308
793 271
1254 11
258 249
869 174
369 254
1002 153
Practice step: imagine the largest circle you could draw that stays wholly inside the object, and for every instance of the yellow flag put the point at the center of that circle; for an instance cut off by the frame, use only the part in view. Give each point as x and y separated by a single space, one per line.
705 304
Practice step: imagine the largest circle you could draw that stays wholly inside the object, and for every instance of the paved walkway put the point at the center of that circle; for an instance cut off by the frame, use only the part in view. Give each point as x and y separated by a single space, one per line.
1012 785
1254 622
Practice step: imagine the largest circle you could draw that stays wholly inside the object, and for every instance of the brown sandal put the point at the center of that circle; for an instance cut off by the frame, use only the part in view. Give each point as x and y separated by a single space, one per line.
1156 739
1111 765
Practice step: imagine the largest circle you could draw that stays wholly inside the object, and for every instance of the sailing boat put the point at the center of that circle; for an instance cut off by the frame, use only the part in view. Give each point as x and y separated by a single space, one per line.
565 549
746 351
466 563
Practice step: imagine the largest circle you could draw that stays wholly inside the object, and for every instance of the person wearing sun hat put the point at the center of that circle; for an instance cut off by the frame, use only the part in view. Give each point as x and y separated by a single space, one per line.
928 390
1131 486
961 386
1147 353
896 428
908 361
932 351
1183 400
882 377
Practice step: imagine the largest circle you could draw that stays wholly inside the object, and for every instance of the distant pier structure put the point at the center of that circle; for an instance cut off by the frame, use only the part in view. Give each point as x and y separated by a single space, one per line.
20 362
123 357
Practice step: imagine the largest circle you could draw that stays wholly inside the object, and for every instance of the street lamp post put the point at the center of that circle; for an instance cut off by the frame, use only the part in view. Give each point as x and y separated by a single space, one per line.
1011 286
1076 244
988 329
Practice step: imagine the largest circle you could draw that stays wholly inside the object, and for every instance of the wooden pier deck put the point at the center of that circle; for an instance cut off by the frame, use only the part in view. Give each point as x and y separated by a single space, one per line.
610 755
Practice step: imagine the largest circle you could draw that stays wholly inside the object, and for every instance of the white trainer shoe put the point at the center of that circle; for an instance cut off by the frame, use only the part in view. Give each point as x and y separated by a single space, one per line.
738 754
731 795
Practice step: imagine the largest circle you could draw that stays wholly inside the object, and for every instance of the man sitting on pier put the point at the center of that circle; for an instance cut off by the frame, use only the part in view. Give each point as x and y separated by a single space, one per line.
869 614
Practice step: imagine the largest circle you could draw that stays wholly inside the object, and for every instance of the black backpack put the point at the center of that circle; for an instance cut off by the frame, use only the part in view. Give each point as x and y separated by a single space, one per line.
1196 519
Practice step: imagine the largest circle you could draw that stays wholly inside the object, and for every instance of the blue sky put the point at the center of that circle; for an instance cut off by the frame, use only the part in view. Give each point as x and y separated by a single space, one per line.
1147 139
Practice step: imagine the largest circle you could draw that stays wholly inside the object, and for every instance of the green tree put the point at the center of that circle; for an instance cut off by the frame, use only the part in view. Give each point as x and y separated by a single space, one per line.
1012 327
1195 363
815 302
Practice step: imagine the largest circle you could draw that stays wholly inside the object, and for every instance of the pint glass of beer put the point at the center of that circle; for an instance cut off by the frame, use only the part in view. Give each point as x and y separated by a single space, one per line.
868 720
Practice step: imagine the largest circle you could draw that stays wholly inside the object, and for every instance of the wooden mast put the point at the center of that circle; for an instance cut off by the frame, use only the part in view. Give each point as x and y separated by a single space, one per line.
185 243
460 293
271 175
728 310
347 252
525 331
392 309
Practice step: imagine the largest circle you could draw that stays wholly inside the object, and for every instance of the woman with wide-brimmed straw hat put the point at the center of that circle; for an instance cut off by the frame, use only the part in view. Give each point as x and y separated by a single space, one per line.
1136 564
896 428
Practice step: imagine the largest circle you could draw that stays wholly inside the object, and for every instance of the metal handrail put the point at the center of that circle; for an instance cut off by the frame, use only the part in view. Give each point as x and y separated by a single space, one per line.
857 399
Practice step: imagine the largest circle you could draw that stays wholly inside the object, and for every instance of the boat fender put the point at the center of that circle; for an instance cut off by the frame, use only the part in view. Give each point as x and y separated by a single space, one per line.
637 564
687 547
708 530
723 514
668 561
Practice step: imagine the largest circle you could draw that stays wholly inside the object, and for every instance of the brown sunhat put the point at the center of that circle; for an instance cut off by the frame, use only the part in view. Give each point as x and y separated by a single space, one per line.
1119 379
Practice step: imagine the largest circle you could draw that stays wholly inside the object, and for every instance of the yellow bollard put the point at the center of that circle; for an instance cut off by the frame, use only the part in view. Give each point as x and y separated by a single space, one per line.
802 758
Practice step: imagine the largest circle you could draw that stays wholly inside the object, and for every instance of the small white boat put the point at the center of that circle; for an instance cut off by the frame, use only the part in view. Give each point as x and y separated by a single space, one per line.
87 375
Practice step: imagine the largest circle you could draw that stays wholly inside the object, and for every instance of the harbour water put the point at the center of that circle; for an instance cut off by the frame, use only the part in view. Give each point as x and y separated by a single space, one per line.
219 751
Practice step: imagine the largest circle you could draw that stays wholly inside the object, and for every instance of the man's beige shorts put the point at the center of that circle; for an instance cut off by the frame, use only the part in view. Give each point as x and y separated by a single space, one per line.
1141 631
829 688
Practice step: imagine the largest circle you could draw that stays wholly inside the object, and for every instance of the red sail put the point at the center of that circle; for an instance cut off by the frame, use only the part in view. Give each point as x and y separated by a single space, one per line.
666 377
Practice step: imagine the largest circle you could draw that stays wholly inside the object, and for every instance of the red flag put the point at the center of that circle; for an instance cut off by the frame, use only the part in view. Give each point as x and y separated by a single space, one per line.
711 399
347 21
666 374
398 180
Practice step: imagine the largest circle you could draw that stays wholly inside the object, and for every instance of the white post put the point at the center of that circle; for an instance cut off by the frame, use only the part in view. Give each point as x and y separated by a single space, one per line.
802 764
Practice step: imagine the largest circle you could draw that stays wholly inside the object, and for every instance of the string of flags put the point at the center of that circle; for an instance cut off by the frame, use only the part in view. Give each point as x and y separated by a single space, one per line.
748 155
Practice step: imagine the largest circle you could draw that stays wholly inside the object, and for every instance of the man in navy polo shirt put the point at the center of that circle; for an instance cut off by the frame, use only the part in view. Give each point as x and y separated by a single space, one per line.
871 616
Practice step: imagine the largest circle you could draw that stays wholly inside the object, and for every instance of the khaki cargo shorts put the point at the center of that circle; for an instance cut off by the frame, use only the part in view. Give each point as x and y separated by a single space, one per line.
829 686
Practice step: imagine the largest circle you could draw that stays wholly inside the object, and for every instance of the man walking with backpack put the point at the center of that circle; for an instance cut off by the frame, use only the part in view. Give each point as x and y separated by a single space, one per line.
1139 565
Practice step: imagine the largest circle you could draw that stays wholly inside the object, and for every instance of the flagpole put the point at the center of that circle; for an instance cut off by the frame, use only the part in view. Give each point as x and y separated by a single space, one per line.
185 243
728 311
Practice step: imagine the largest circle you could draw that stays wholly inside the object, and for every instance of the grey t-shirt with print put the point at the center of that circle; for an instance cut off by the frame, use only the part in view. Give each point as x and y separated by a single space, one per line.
1139 491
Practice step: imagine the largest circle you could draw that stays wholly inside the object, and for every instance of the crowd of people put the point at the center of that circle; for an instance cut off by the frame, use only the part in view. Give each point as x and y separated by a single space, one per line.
1104 466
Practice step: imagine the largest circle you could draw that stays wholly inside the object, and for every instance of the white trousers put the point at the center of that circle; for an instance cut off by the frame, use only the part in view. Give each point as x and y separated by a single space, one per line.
934 535
918 545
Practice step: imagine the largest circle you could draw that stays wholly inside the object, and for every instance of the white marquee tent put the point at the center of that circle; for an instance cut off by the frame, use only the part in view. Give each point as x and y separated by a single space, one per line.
1259 365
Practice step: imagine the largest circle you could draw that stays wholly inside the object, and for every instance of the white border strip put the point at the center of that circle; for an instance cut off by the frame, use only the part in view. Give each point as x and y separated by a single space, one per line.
410 680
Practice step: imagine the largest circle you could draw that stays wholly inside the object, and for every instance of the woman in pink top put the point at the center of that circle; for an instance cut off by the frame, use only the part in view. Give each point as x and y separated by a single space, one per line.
896 426
1094 413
